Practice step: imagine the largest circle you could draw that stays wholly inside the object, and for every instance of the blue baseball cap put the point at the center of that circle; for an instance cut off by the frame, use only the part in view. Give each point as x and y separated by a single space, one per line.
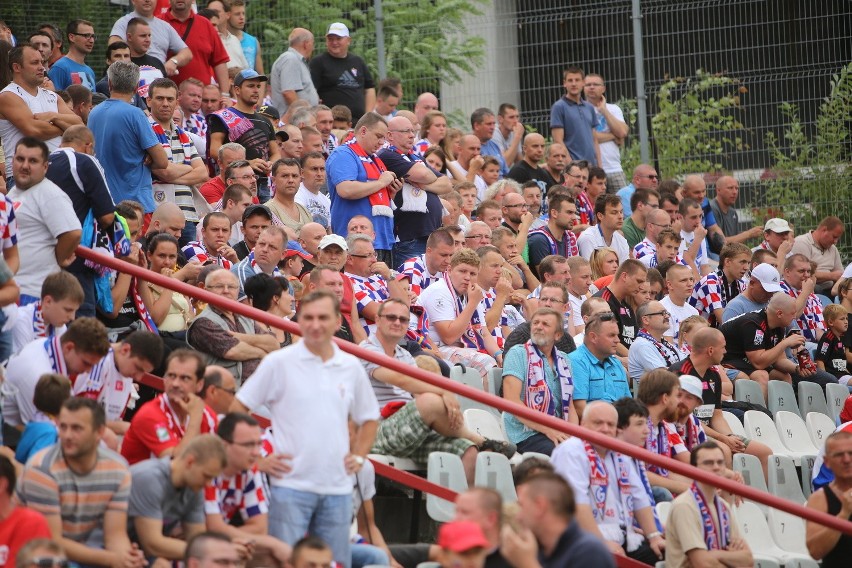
247 74
294 248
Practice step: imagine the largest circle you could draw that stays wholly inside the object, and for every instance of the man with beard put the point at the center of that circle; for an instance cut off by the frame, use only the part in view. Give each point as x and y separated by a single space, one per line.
241 124
82 489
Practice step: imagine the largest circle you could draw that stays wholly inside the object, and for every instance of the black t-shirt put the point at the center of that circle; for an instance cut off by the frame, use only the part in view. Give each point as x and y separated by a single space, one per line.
623 316
832 352
711 383
748 332
152 61
409 225
522 172
548 180
342 82
255 141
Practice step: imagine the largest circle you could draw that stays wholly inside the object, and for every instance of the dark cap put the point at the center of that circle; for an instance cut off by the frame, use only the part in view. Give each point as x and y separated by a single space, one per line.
247 74
269 111
282 135
257 210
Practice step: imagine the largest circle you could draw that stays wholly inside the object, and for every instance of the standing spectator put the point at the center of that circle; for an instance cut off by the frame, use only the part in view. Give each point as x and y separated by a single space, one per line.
820 245
132 142
556 237
164 38
119 51
82 489
360 184
316 495
226 155
190 95
644 177
643 202
527 168
610 131
81 101
509 133
310 195
19 526
241 124
27 109
58 41
72 69
572 120
290 76
342 78
829 545
139 41
483 124
209 58
49 233
248 43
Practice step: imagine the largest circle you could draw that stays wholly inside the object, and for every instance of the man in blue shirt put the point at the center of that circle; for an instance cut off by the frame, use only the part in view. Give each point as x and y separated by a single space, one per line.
360 184
72 69
483 123
126 139
573 121
644 177
598 374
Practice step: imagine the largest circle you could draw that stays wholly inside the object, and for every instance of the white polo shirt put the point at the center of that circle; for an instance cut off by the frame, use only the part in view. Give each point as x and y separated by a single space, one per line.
592 238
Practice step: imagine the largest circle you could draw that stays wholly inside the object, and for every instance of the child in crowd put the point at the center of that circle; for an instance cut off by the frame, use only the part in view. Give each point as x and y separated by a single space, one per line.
830 351
467 190
61 296
50 392
490 172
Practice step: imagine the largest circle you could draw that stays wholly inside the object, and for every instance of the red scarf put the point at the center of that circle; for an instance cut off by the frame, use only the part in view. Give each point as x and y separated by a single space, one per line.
373 167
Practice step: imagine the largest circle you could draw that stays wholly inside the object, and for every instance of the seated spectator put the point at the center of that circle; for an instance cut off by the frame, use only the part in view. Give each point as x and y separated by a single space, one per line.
61 296
552 295
218 389
713 292
820 245
590 308
37 549
210 547
693 245
462 543
763 282
233 168
609 490
777 237
239 491
167 495
83 494
328 277
553 268
556 237
658 221
598 374
310 236
522 277
658 391
166 425
234 202
606 230
166 218
372 281
829 545
701 529
429 267
651 350
311 551
255 219
268 251
799 284
21 528
293 263
679 283
75 351
213 246
417 417
664 250
51 392
628 279
170 310
538 376
830 354
225 338
310 195
286 177
546 507
272 295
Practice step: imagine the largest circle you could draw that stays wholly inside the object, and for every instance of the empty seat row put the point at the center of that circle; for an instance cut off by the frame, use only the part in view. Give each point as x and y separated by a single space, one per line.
782 397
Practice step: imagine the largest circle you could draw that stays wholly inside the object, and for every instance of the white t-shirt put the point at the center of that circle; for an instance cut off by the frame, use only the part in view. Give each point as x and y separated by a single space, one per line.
593 238
44 212
576 303
23 332
317 204
480 184
43 101
440 306
107 385
22 373
164 38
571 462
678 313
311 401
686 241
610 152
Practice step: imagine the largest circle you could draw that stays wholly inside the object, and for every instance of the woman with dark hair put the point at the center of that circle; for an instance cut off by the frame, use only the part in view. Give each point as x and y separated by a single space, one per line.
273 296
171 311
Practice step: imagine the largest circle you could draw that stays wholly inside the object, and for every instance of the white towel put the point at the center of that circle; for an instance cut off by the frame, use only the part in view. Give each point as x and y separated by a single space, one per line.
413 199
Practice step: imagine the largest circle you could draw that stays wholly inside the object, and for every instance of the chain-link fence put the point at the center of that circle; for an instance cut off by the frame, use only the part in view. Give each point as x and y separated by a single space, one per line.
720 75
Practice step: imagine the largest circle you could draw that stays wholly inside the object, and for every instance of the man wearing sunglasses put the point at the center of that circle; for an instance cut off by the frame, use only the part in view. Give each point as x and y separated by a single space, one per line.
650 350
644 177
373 282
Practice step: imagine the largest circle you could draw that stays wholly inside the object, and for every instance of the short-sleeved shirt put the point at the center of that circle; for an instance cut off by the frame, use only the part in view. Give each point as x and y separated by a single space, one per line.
714 292
740 305
410 225
711 385
82 179
204 43
20 527
644 355
386 392
242 494
577 121
677 315
290 72
632 233
418 273
592 238
522 172
623 316
49 487
130 135
106 385
595 379
827 260
164 38
255 140
317 204
832 352
540 245
155 428
729 222
748 332
685 532
811 322
440 305
154 496
491 148
342 81
66 72
610 151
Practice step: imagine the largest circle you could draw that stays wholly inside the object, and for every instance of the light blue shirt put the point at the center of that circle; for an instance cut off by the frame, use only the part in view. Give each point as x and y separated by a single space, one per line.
595 379
739 306
491 148
625 193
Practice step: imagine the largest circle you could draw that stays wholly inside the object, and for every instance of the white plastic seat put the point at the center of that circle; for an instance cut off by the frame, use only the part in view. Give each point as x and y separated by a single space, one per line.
746 390
759 426
663 509
784 480
734 423
836 395
446 470
819 427
470 377
807 473
782 397
812 399
493 470
756 532
483 423
794 433
763 562
749 467
495 381
404 464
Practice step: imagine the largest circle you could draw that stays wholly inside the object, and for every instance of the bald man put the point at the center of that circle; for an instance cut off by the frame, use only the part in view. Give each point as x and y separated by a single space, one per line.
528 168
425 103
290 77
469 162
727 190
694 187
291 147
644 177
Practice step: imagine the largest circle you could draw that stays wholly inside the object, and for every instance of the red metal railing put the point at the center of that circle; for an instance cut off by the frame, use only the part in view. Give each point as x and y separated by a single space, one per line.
518 410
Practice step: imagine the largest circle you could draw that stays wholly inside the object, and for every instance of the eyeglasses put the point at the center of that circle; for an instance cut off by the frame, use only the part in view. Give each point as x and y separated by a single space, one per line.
49 562
653 176
231 392
87 36
369 255
547 300
663 313
392 318
224 287
477 237
651 205
663 226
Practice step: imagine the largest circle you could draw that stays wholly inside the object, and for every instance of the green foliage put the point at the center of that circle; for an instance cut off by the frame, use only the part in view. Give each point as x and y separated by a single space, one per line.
425 42
812 175
630 152
696 124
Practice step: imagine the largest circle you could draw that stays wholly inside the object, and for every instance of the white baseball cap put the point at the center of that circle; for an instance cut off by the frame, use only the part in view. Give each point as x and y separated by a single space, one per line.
777 225
692 385
338 29
768 277
329 240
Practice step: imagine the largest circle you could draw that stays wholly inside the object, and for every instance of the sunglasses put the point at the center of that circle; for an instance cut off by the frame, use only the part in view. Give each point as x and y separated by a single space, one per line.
392 318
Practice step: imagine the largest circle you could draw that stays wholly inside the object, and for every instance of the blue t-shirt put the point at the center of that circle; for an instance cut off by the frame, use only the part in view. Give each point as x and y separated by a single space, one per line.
124 134
490 148
36 436
595 379
344 165
625 194
577 121
250 47
67 72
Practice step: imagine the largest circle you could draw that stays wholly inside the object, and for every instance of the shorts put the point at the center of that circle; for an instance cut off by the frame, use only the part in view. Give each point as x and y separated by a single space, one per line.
732 373
405 435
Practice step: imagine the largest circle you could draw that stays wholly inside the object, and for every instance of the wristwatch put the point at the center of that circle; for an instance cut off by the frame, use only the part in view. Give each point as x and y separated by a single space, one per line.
175 61
358 459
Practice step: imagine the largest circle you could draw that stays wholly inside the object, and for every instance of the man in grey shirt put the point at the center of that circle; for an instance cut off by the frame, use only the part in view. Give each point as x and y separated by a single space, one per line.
290 78
167 491
164 38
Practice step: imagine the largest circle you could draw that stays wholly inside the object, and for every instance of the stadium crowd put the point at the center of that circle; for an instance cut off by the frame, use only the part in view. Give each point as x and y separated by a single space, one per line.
629 305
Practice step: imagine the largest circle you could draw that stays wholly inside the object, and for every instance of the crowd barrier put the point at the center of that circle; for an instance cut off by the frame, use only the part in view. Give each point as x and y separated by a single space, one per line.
517 409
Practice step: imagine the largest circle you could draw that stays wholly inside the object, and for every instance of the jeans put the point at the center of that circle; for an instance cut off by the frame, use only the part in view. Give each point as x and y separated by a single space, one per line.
366 554
538 443
263 192
189 233
294 513
661 494
403 250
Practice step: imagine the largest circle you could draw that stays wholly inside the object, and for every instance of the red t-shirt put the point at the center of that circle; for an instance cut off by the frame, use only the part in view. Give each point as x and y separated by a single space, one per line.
22 526
156 428
213 190
204 43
